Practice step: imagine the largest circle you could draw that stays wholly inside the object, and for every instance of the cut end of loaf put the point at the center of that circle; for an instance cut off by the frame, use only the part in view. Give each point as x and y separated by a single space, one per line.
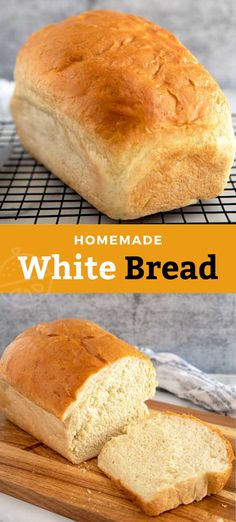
168 460
109 401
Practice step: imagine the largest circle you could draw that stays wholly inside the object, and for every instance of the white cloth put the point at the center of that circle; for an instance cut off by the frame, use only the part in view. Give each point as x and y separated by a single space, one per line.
184 380
6 90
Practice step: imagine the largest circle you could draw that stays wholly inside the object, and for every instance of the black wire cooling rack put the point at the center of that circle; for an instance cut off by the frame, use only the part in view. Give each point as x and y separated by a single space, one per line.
29 193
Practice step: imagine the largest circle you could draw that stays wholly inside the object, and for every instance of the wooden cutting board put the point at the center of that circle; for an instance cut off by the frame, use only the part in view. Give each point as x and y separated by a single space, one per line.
32 472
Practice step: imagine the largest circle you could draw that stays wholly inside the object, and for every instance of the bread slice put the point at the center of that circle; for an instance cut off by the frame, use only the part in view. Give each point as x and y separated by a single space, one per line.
167 460
73 385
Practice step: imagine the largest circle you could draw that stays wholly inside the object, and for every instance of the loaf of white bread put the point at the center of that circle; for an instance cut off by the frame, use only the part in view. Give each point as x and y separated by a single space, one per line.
167 460
73 385
123 113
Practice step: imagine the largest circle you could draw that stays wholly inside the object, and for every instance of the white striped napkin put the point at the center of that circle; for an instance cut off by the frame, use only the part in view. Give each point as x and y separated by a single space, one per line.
6 90
182 379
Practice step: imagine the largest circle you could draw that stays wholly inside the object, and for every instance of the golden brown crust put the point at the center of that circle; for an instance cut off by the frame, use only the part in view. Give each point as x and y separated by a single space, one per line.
119 74
49 363
187 491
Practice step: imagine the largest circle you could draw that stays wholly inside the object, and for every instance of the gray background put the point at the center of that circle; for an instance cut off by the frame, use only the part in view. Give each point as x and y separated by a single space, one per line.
207 27
199 327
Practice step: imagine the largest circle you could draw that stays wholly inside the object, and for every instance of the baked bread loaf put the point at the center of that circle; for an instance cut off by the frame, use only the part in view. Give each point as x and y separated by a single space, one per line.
123 113
168 460
73 385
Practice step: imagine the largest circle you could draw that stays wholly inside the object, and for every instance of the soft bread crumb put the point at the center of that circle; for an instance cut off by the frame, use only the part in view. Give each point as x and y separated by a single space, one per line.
167 460
109 401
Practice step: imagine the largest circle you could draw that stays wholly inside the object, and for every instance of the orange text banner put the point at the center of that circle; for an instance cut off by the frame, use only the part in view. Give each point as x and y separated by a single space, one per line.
113 258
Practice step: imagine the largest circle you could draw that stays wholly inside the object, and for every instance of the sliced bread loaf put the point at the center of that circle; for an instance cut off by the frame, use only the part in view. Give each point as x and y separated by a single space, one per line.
167 460
73 385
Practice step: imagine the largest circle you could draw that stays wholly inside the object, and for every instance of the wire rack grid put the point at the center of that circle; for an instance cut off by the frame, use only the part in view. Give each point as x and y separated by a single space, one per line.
29 193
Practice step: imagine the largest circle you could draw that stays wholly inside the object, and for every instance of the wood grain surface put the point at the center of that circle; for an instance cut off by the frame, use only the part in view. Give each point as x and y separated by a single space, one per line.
32 472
